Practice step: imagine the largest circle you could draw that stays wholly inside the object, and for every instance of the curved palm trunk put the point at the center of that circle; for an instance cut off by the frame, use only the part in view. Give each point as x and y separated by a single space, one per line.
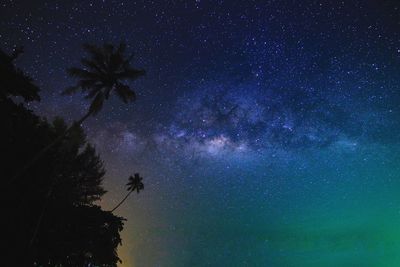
122 201
40 218
44 150
37 157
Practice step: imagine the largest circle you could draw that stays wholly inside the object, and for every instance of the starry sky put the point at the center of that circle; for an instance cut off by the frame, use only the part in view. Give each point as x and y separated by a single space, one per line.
267 132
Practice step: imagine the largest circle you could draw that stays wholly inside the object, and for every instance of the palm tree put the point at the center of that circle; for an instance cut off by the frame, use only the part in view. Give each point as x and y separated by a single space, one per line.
134 183
106 70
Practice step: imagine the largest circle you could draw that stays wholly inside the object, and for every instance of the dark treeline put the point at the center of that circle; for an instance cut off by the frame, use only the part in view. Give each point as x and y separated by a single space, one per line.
50 216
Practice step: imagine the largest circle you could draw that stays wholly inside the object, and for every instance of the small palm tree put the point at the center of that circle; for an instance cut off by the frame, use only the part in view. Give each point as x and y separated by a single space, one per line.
134 183
106 70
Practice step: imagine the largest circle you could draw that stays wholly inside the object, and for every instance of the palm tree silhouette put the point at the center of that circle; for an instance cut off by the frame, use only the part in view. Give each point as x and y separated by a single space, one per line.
134 183
106 70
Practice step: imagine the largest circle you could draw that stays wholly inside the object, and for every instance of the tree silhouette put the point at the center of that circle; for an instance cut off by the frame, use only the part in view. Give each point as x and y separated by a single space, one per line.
106 70
13 81
73 231
134 183
66 183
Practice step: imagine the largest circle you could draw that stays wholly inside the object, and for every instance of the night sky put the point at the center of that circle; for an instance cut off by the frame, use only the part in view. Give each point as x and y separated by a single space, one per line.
267 132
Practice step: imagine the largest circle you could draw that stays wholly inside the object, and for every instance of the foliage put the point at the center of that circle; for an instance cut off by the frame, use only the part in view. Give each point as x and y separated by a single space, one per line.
135 183
13 81
67 181
104 71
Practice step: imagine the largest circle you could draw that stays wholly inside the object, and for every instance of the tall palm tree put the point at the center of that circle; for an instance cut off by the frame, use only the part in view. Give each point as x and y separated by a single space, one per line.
134 183
105 70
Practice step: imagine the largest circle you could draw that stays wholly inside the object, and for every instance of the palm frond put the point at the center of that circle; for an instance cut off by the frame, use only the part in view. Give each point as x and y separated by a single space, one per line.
97 55
71 90
97 103
87 84
81 73
92 66
131 74
127 61
125 93
139 187
115 62
135 183
107 91
93 91
93 50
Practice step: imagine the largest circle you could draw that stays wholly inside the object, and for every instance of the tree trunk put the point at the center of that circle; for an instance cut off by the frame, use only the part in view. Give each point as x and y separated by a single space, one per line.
40 219
122 201
43 152
37 157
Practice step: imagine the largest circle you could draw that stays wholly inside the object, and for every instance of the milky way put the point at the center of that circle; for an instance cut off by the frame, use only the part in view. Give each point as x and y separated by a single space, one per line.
267 131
